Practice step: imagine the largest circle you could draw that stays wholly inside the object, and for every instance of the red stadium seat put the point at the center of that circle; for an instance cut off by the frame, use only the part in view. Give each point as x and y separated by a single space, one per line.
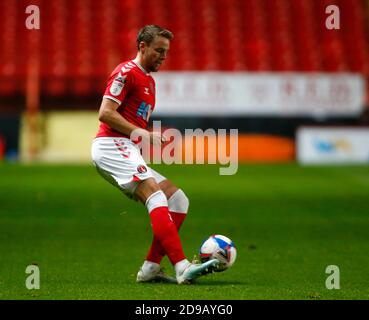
86 39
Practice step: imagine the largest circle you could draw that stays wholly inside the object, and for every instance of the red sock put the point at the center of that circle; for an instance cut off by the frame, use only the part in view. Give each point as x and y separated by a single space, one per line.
157 252
166 236
178 218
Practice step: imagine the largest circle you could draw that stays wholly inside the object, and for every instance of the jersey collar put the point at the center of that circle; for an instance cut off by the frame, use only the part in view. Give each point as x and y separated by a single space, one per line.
141 67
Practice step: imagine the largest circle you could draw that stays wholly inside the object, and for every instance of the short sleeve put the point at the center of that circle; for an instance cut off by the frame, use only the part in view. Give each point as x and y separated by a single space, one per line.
118 86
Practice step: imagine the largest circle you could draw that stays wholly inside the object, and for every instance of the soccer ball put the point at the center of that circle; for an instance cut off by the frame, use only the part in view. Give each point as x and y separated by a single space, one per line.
221 248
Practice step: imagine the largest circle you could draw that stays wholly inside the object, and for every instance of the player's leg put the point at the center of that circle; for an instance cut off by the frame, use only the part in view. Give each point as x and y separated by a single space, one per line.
164 229
178 205
119 161
150 194
178 202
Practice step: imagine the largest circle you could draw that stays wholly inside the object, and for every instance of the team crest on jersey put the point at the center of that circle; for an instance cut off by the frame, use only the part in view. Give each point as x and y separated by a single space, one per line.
141 169
117 85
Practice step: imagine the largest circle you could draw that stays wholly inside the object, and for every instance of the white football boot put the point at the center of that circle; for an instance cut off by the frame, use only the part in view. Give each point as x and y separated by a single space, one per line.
193 271
154 275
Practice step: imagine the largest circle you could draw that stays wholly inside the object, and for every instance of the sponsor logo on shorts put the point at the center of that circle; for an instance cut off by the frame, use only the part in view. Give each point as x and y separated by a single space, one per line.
141 169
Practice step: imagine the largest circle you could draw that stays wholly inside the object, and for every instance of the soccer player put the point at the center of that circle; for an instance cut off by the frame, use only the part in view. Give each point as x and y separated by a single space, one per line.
127 104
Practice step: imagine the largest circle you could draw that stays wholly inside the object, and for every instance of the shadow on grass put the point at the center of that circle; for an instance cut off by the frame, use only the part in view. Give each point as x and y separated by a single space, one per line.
220 283
199 283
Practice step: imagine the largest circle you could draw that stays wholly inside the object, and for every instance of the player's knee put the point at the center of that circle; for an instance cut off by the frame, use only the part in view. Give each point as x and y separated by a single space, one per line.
145 189
178 202
156 200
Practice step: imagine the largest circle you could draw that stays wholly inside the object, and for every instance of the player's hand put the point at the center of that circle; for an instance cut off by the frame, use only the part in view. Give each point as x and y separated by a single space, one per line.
164 139
157 139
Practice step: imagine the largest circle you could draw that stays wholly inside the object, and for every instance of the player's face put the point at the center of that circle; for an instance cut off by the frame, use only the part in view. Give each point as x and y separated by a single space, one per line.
155 53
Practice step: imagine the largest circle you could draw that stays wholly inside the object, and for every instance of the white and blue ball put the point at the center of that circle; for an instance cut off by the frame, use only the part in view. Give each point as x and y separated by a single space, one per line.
221 248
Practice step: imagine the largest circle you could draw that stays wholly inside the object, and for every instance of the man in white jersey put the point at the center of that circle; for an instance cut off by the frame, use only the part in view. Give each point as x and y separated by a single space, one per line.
128 102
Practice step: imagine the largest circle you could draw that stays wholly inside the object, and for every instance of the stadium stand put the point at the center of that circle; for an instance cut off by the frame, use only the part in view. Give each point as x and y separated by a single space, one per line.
81 40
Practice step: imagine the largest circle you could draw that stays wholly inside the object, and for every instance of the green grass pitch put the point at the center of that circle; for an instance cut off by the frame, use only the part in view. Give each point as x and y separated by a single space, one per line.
288 223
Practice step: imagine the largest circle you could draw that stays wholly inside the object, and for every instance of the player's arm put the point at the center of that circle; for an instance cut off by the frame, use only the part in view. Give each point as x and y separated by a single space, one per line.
108 114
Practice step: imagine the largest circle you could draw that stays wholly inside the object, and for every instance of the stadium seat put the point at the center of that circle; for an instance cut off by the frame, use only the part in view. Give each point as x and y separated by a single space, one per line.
85 39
